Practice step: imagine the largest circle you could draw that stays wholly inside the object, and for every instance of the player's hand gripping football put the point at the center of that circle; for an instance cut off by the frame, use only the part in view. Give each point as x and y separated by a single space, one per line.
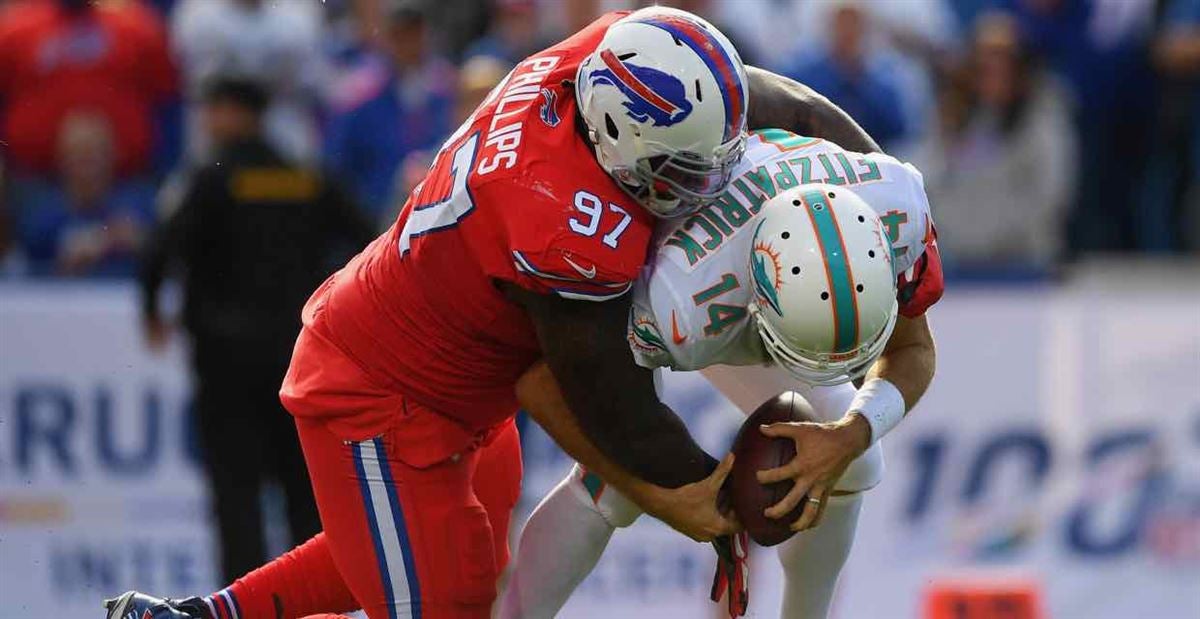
823 451
733 572
694 509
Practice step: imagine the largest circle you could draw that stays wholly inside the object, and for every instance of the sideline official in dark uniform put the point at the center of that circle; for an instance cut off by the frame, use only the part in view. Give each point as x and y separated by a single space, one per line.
253 234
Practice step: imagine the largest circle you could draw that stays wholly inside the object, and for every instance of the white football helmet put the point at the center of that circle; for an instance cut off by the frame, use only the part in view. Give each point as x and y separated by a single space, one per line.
664 99
824 287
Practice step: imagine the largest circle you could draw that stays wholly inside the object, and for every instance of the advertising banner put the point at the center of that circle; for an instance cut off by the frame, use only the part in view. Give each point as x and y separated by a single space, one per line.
99 487
1059 447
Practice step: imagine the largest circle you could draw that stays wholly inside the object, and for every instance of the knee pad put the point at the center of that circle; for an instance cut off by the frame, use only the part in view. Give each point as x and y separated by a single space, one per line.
607 501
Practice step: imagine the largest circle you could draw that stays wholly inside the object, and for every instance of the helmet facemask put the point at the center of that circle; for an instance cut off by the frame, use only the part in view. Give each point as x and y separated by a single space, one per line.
671 184
822 368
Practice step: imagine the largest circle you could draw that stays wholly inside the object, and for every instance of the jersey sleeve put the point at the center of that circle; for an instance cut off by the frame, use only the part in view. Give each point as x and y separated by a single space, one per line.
576 243
920 286
910 228
646 337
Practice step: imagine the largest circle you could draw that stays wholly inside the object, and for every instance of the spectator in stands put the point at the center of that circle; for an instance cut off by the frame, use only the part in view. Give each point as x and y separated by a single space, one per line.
278 43
87 223
456 23
513 33
576 14
348 35
59 56
853 77
476 78
389 108
253 234
1001 172
1099 51
1172 197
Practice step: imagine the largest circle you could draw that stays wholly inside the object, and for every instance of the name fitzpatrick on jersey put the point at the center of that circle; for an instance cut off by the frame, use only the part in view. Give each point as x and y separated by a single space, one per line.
517 92
707 229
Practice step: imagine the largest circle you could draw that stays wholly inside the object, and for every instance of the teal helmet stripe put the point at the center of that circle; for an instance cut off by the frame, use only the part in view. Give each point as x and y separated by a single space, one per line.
837 269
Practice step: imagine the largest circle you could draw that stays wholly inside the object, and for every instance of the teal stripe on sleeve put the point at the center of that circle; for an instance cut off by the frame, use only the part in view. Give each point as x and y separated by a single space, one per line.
594 485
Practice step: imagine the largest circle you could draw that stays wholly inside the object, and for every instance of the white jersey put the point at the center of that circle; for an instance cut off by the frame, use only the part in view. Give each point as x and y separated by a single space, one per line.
689 304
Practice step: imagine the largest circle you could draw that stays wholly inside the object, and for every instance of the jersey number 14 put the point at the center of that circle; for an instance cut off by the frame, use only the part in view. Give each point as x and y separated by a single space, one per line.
720 315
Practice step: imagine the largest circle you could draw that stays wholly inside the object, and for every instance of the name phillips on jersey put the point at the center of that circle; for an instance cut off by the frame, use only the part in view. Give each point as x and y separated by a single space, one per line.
522 86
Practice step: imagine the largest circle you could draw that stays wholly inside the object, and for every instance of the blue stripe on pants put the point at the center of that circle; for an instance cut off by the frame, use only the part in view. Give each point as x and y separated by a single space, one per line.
410 567
380 555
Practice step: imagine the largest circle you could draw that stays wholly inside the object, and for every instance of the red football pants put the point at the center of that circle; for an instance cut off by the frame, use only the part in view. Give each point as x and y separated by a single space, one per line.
415 541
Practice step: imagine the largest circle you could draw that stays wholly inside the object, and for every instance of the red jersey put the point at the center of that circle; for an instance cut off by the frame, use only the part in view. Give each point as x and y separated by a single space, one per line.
515 195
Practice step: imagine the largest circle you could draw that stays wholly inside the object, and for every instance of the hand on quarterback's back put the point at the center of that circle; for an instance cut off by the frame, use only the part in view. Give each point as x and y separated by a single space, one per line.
823 451
693 509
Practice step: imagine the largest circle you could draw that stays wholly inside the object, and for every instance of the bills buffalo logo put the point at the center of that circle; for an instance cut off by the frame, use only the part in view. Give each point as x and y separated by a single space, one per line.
650 94
549 110
767 273
644 335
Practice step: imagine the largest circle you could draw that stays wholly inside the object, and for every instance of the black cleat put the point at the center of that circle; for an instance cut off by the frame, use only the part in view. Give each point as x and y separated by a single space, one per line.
134 605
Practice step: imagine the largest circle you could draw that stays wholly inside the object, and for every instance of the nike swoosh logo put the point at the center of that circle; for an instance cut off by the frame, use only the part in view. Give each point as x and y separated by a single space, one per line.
588 273
675 336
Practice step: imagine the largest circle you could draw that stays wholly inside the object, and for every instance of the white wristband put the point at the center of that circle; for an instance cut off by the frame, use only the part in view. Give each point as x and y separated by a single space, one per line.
881 404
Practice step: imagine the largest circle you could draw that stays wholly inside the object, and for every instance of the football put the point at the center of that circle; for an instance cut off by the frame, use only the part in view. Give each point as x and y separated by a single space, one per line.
753 451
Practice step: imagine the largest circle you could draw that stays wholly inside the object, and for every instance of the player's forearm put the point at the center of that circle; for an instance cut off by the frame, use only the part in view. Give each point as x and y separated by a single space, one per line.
640 434
780 102
894 384
909 361
585 345
539 395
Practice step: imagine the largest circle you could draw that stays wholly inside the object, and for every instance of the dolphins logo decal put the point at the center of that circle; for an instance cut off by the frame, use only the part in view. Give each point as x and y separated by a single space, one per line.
767 277
650 94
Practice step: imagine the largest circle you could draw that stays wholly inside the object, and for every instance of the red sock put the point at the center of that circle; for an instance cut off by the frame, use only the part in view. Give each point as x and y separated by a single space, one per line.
302 582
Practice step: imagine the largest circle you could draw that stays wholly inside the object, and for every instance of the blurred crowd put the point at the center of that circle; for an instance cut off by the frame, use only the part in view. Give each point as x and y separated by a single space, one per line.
1046 129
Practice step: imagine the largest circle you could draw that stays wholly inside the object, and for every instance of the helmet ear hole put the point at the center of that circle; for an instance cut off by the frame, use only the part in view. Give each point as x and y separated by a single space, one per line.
610 127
